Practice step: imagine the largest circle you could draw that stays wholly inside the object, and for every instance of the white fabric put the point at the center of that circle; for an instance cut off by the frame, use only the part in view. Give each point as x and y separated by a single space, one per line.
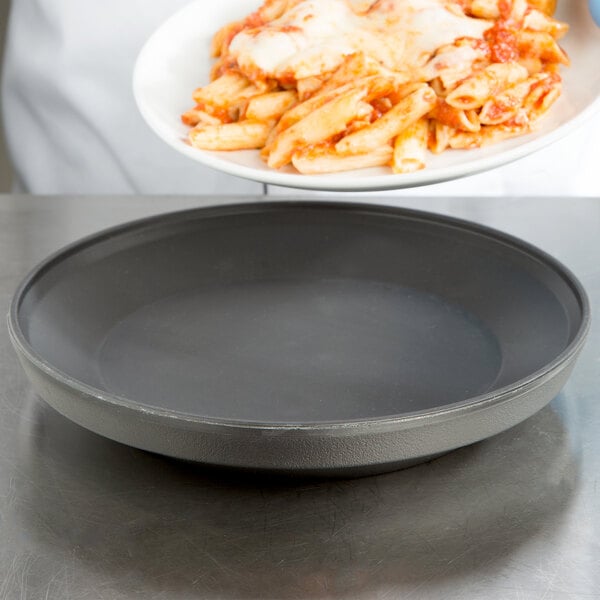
72 125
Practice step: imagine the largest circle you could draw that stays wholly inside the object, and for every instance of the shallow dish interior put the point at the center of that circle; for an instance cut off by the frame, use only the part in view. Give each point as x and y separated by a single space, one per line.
299 313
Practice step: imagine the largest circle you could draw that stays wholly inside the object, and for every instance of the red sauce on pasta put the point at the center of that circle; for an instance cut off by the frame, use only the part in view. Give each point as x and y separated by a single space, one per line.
504 7
446 114
220 113
253 21
503 43
496 110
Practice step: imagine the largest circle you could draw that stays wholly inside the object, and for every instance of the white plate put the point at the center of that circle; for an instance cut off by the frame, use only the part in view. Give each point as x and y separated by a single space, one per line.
175 61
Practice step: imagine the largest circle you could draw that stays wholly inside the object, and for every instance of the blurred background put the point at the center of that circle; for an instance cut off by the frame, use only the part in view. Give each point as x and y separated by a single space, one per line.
5 172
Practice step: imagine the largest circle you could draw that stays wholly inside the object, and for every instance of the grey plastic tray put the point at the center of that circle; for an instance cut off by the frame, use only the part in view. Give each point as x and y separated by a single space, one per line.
302 337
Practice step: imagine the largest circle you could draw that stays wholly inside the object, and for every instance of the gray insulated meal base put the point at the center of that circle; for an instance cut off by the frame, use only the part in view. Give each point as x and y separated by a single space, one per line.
302 337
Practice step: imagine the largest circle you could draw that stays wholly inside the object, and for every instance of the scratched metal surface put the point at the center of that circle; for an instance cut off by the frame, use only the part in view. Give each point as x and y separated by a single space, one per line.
516 516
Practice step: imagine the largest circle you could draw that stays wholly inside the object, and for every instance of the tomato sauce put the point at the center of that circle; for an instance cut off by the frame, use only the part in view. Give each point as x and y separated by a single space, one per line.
253 21
504 7
543 87
498 110
446 114
220 113
503 43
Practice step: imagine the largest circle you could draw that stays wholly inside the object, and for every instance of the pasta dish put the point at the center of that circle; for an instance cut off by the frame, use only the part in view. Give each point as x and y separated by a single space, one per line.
335 85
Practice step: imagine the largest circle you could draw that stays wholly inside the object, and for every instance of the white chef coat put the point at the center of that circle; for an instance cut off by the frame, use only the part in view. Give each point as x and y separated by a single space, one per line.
72 125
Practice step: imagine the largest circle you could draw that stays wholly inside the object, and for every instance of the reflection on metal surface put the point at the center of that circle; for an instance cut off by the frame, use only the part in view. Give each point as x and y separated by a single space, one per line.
152 525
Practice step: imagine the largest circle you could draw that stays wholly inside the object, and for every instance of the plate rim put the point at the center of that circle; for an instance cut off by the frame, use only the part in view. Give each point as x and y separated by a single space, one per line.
384 182
409 419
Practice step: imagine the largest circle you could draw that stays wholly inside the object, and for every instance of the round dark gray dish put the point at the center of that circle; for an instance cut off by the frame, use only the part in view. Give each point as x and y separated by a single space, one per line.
301 337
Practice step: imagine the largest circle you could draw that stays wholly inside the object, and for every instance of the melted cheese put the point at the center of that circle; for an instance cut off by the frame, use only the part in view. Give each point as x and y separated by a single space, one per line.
314 36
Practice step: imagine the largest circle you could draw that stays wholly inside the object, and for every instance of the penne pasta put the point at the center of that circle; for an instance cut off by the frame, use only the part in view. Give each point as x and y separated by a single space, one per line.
545 6
410 148
197 115
245 135
488 135
464 120
543 93
541 45
478 89
375 87
485 9
439 136
396 120
336 85
505 106
271 106
221 90
318 126
536 20
308 86
321 160
453 64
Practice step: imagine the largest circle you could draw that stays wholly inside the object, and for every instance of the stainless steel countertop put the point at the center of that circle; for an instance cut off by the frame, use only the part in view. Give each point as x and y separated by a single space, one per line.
516 516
